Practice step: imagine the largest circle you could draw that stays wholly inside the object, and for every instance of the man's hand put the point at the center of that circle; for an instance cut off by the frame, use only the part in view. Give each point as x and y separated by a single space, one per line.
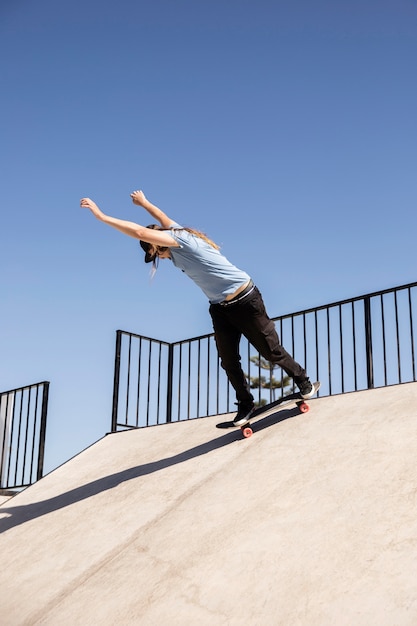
87 203
139 198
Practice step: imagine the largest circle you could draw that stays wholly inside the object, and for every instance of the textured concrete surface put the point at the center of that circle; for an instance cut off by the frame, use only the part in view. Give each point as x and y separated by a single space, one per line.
6 494
310 522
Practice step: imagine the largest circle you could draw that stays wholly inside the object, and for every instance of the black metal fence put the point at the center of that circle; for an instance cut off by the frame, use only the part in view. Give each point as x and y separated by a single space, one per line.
23 414
351 345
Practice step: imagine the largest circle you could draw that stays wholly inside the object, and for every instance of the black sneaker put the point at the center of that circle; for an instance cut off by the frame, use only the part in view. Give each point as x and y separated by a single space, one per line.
306 388
244 412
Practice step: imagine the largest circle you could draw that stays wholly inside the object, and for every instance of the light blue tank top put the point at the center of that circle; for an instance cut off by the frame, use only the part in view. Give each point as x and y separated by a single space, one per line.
205 265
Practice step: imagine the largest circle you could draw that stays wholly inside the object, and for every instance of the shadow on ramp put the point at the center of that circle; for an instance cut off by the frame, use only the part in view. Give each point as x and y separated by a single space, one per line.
21 514
275 418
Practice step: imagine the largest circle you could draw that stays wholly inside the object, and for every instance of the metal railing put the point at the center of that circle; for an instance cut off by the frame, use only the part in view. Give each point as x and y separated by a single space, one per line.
23 414
351 345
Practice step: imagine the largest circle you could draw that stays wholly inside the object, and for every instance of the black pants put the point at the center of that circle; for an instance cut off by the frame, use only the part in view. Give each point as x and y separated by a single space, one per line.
249 318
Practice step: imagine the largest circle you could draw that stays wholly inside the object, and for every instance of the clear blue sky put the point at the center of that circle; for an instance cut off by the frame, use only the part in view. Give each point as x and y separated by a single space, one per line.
285 130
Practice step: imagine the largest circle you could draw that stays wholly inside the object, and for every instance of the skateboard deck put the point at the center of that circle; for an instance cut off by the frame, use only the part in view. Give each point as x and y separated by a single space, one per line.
268 409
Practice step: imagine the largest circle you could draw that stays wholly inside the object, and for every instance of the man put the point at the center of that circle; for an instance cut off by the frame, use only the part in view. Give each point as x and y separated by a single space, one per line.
236 305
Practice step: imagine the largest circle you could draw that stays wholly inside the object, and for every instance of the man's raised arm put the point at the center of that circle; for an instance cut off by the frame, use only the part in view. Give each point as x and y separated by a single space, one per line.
139 198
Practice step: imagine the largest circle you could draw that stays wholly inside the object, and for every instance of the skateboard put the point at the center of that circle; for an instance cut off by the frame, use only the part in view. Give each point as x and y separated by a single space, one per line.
267 409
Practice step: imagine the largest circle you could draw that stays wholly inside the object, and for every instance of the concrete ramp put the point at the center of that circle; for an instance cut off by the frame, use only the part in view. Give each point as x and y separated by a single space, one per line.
310 522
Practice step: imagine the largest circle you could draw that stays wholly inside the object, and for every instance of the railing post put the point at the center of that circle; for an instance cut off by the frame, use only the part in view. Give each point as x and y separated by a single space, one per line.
116 380
42 432
368 343
170 374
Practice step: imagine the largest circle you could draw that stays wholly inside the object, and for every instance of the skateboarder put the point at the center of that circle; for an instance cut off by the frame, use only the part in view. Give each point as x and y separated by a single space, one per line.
236 305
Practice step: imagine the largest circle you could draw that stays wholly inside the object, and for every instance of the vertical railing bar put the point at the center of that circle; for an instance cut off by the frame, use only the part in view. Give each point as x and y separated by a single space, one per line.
305 339
11 415
228 392
251 366
292 343
218 370
170 375
129 353
384 343
34 431
148 391
198 377
271 376
26 434
32 390
368 336
179 381
158 392
42 432
259 372
316 330
398 337
189 381
116 381
208 380
329 365
410 310
249 362
355 363
138 394
342 369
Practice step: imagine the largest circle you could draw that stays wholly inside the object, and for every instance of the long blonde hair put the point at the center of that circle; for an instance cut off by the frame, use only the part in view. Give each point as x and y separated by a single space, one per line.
201 235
